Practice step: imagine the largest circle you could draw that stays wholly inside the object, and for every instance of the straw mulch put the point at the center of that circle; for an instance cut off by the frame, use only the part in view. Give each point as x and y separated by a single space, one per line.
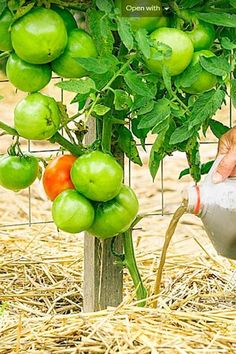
41 301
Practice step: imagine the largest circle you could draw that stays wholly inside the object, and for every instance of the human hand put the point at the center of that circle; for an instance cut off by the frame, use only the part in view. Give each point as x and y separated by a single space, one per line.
227 166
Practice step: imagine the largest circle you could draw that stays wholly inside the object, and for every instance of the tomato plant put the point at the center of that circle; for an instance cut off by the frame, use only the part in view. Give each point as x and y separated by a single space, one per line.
72 212
18 172
56 177
135 77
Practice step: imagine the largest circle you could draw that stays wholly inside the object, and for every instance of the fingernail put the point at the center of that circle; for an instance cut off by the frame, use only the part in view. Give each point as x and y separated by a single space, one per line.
217 178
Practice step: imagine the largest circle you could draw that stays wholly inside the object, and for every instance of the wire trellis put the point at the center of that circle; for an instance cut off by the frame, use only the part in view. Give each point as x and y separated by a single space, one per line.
162 211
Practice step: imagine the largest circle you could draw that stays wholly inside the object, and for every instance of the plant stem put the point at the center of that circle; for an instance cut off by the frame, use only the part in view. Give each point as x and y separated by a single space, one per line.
106 134
56 138
74 149
5 55
7 129
124 66
130 262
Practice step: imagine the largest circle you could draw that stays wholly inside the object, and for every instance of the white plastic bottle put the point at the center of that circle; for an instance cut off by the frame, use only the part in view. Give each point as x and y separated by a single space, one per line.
215 204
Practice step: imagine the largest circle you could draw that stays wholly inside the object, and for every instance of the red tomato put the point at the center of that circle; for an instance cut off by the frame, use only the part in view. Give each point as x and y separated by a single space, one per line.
56 177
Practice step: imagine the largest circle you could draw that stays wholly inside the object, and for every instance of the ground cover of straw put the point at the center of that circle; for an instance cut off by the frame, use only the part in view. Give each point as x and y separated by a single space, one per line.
41 273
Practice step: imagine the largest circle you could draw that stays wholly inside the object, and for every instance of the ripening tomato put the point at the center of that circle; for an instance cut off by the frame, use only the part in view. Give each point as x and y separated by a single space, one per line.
116 215
67 17
72 212
18 172
37 117
202 35
181 55
204 81
97 176
39 36
25 76
56 177
80 45
5 35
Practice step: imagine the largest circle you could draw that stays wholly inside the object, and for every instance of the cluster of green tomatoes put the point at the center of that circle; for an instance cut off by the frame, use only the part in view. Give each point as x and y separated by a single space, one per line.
42 41
87 192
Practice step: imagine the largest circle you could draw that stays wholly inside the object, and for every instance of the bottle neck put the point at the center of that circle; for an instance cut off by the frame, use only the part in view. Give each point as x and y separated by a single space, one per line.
194 202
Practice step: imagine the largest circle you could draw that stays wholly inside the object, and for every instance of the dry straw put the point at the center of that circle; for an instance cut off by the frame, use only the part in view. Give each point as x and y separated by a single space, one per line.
41 300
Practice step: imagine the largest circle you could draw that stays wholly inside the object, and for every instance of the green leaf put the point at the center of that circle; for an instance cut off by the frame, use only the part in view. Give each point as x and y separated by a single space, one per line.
139 133
227 43
233 3
193 156
21 11
122 100
217 128
81 99
181 134
3 5
125 32
215 65
104 5
160 126
233 91
143 42
82 86
160 112
167 79
137 85
128 145
189 76
99 65
206 106
188 4
100 109
100 29
205 168
146 108
140 101
162 51
219 19
158 151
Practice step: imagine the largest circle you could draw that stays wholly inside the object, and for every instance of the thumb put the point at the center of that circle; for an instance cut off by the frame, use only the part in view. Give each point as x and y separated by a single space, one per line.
225 167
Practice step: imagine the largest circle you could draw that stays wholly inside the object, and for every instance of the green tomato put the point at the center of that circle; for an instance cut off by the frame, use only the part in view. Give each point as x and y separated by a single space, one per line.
182 51
97 176
25 76
37 117
5 35
40 36
80 45
149 23
72 212
116 215
18 172
204 81
202 35
67 17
